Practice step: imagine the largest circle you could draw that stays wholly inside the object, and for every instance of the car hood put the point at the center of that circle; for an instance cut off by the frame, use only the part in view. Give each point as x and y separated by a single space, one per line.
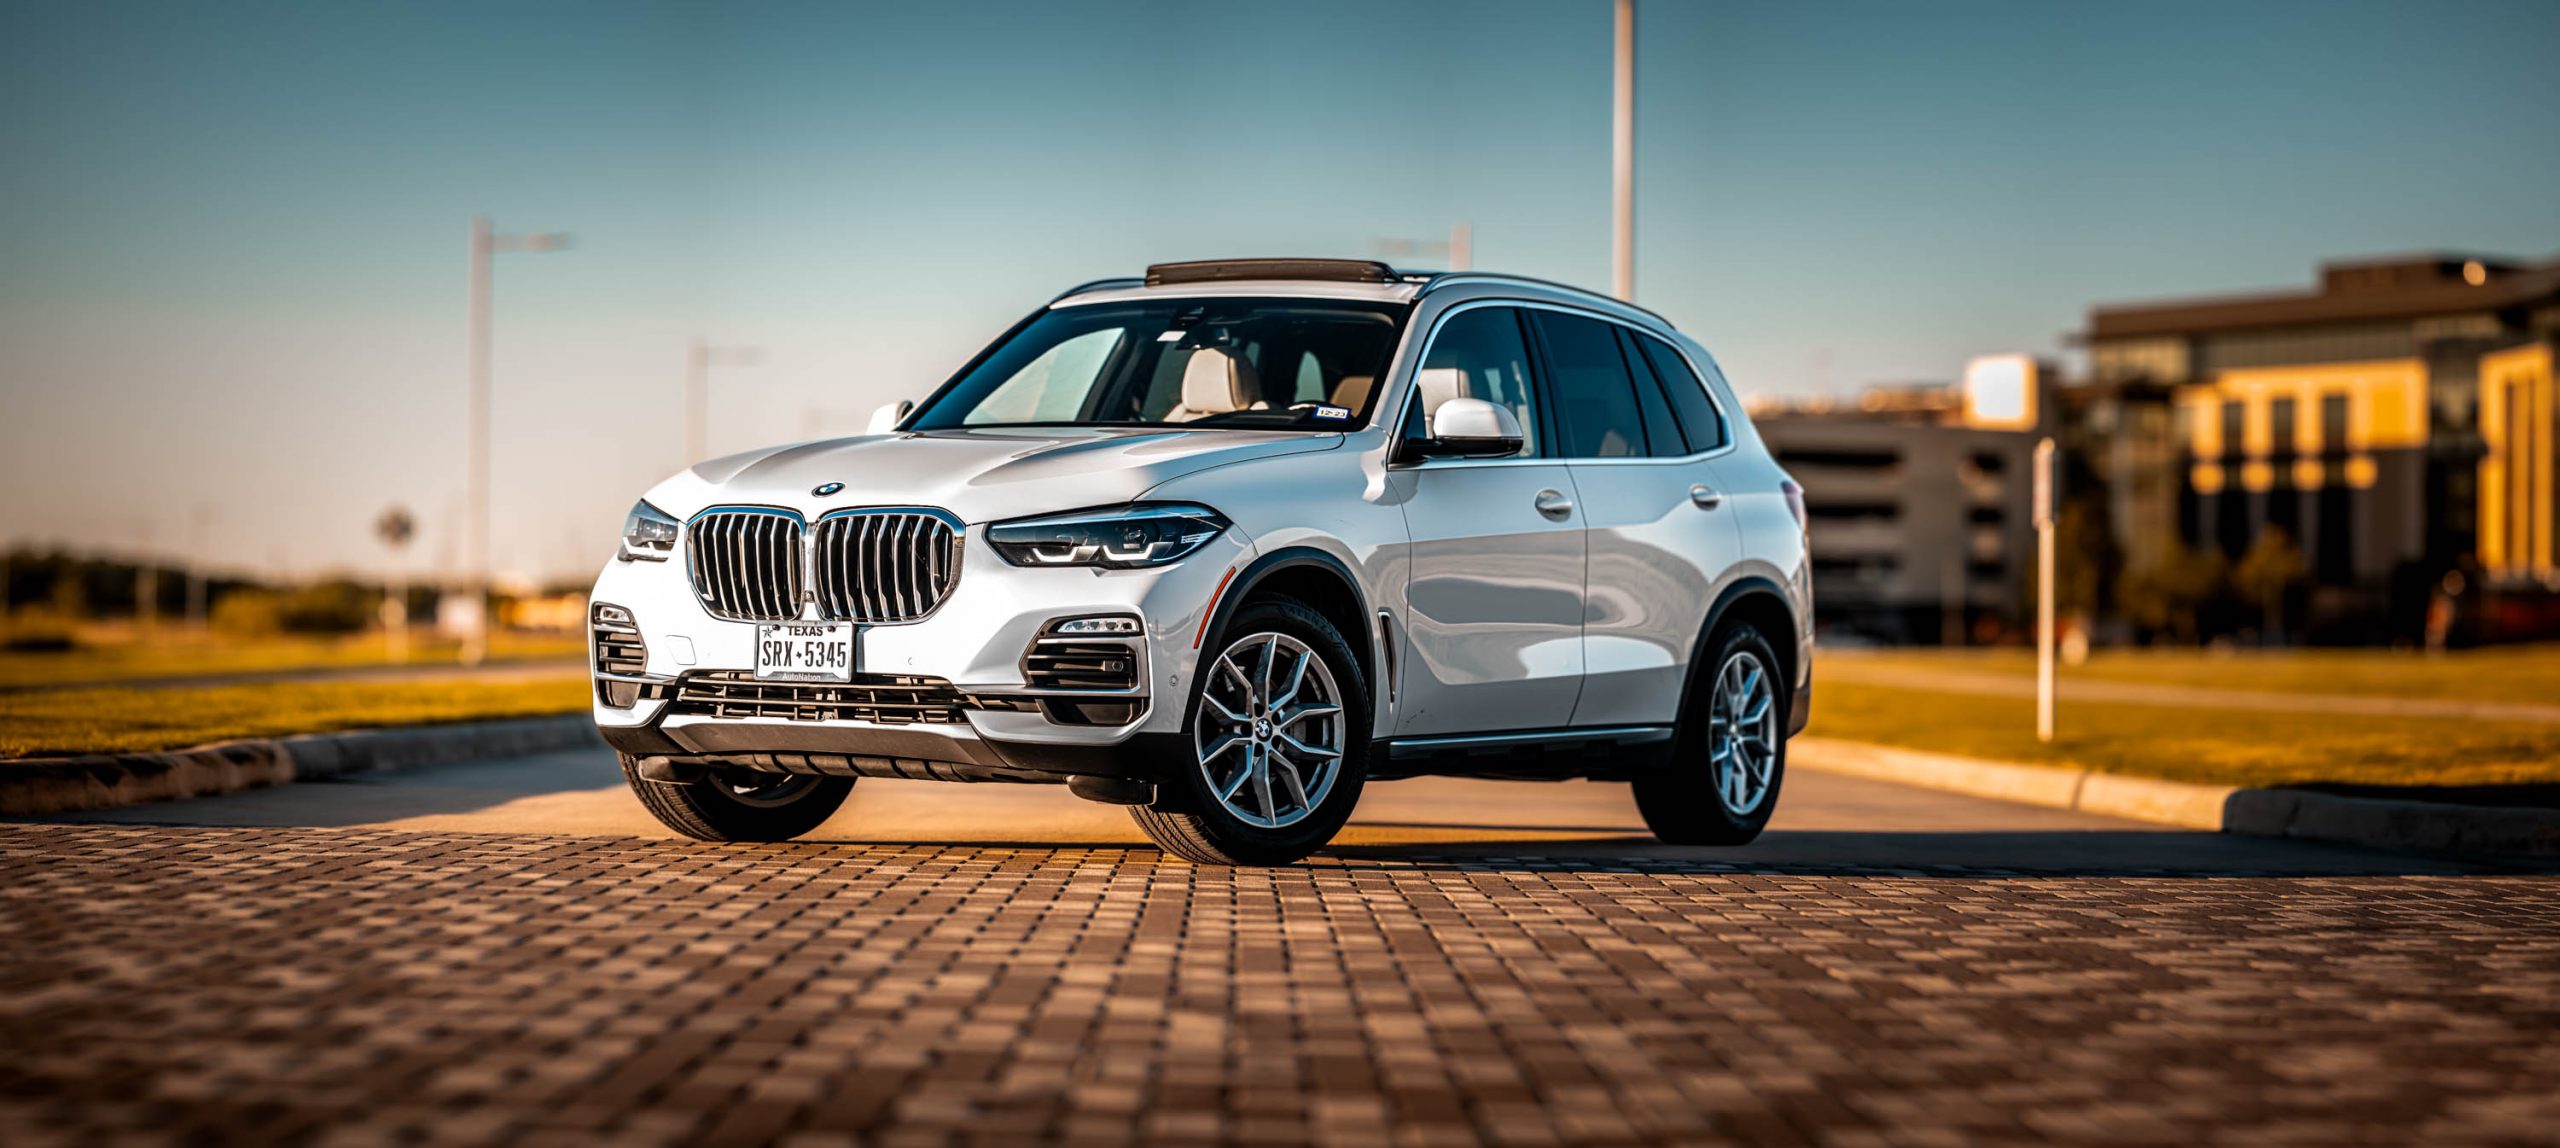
980 475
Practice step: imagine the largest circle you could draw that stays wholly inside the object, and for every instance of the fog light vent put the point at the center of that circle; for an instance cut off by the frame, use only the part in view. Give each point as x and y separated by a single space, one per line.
1063 665
1084 654
618 650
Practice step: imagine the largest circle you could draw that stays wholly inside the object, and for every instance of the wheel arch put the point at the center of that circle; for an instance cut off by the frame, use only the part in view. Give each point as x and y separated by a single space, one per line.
1764 604
1321 580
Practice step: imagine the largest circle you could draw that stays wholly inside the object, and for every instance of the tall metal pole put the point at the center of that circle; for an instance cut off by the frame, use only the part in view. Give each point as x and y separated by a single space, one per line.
477 571
146 587
697 400
2044 515
395 613
475 643
197 516
1622 164
699 357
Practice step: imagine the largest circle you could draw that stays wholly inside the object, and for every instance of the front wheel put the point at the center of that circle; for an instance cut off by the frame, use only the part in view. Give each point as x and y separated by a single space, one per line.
1732 752
1277 745
740 805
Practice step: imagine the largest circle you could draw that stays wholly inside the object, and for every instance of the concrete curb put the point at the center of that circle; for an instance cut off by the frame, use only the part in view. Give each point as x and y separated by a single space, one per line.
2464 830
104 781
2088 791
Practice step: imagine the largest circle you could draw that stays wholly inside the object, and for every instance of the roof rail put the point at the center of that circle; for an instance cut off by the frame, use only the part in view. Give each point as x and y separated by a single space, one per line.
1446 278
1215 270
1096 285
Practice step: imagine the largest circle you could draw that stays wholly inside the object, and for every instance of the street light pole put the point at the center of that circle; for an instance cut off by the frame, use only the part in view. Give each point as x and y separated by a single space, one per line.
475 498
697 400
699 358
146 587
484 244
1622 161
197 516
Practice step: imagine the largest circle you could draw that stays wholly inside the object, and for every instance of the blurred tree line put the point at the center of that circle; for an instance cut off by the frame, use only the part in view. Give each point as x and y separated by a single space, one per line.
47 592
2183 595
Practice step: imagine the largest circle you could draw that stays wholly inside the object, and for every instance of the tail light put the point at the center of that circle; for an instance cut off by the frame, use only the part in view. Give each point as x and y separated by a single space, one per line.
1795 502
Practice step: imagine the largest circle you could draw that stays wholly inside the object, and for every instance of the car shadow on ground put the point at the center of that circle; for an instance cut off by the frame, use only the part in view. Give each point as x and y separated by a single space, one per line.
1966 853
580 793
1884 853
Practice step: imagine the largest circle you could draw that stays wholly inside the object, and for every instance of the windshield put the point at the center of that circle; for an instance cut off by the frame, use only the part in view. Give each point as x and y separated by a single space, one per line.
1266 364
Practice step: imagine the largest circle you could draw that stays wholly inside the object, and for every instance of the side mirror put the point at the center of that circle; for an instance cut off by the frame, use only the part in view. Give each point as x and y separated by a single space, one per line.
886 419
1470 428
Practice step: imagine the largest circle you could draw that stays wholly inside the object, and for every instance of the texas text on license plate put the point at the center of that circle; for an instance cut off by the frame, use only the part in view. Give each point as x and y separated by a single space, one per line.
805 651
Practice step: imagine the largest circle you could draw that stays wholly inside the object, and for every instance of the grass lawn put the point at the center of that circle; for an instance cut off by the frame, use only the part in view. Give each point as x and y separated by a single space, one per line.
2527 674
200 655
109 719
2216 746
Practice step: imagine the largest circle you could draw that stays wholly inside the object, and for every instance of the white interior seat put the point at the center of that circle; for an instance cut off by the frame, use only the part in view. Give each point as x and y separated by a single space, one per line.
1441 384
1215 382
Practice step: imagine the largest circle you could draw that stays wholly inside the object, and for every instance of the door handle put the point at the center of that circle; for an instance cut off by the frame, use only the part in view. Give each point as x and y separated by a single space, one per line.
1554 504
1705 497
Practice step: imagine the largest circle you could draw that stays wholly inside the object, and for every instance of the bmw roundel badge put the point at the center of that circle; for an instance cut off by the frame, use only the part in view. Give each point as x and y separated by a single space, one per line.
826 488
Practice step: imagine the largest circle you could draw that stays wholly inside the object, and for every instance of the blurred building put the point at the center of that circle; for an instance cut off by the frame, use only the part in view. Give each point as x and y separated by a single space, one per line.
1917 501
2397 423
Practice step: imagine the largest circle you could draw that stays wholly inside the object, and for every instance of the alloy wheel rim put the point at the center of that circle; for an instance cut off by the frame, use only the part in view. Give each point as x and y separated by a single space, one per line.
766 790
1269 733
1742 733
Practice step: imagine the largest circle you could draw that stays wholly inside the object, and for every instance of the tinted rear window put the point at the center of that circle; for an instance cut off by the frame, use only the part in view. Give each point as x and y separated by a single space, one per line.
1700 422
1660 424
1596 400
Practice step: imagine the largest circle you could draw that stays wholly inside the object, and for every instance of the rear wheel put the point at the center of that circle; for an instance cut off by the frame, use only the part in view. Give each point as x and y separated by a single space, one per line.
1278 742
1732 752
740 805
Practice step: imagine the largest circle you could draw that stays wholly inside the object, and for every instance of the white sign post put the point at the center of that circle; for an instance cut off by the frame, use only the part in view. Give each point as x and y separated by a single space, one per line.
2045 481
395 528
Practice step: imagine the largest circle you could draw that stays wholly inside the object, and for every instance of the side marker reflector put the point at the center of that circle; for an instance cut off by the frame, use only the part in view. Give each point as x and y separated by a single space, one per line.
1211 610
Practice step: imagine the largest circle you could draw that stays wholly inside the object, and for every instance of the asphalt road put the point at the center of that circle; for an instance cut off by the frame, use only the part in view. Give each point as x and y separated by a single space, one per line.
512 952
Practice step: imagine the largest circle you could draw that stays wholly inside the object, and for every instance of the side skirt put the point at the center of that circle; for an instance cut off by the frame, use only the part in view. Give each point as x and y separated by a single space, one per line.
1615 753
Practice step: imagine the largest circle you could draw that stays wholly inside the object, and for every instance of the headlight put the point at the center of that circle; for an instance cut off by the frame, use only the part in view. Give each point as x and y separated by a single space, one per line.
649 534
1116 537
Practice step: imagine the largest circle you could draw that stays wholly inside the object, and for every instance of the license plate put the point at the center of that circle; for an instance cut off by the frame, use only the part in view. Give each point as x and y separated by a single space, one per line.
805 651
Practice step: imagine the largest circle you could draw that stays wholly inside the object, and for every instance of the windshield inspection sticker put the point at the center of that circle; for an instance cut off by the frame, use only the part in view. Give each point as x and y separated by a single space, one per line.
1323 411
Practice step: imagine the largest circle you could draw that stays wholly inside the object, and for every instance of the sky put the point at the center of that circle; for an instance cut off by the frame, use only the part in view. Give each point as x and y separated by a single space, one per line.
233 237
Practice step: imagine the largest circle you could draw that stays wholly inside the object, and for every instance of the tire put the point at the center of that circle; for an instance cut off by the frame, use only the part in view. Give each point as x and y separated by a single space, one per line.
713 809
1264 820
1695 802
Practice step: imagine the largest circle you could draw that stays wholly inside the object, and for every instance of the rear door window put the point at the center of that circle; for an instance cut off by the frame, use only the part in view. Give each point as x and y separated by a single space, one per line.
1595 398
1700 421
1661 426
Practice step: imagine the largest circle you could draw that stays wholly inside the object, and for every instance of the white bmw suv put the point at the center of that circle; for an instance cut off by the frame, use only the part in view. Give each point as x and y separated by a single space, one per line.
1223 545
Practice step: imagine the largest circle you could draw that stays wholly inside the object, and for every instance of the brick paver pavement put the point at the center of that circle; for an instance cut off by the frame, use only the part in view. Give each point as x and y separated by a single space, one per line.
362 986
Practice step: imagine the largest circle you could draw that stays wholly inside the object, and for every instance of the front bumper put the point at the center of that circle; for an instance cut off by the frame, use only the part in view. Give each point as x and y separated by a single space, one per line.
969 652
